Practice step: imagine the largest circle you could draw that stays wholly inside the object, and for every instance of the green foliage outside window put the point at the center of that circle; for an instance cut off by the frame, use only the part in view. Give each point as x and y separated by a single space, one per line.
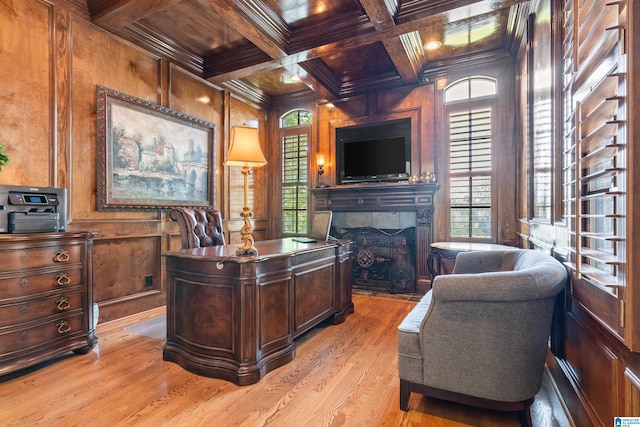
296 118
295 153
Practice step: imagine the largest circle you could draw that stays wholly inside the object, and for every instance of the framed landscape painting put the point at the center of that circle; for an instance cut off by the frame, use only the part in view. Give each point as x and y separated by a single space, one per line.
151 157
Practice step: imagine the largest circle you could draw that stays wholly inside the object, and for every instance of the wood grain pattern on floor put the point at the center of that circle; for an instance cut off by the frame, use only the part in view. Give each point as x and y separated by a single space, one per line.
342 375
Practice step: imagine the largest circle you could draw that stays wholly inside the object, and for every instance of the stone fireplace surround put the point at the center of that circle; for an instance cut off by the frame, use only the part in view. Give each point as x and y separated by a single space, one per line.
385 206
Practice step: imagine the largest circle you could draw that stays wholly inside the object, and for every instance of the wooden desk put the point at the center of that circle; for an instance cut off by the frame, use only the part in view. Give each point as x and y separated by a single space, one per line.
235 318
443 254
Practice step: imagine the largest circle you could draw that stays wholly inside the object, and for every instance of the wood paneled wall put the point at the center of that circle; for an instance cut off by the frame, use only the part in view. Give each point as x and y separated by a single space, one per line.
29 95
51 60
417 103
424 105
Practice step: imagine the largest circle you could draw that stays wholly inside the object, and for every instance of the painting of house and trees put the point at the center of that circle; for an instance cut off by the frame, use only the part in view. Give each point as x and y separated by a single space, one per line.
154 157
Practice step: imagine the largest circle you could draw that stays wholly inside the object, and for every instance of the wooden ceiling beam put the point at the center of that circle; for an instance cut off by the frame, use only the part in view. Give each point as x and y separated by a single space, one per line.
359 38
255 22
318 77
380 13
272 44
117 14
407 56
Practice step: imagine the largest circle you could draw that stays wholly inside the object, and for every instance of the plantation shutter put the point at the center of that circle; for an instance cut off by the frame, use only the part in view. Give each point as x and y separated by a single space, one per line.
595 161
470 173
294 183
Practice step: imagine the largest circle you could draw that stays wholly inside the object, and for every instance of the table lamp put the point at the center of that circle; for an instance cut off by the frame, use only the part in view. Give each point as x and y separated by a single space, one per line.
245 151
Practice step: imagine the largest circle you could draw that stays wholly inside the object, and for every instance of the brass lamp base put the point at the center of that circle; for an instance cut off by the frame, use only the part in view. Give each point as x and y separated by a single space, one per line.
247 247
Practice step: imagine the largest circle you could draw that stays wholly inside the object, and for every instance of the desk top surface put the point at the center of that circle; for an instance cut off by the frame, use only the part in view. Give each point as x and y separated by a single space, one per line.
470 246
266 249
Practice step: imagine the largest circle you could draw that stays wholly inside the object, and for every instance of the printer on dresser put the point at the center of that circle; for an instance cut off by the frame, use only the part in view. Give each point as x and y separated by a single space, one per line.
32 209
46 281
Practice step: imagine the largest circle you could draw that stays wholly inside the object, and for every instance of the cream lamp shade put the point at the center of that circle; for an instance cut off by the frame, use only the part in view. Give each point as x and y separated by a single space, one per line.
245 148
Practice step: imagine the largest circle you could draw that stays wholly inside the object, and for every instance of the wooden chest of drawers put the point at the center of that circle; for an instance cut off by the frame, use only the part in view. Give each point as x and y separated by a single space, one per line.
46 297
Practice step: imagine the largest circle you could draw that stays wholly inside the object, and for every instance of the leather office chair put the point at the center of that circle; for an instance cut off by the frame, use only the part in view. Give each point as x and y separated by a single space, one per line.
198 227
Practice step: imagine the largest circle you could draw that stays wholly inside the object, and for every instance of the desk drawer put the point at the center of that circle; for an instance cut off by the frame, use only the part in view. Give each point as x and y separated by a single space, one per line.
31 284
12 314
43 333
47 256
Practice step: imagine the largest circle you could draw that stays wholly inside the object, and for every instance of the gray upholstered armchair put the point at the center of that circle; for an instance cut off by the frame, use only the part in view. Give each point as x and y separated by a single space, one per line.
198 227
480 336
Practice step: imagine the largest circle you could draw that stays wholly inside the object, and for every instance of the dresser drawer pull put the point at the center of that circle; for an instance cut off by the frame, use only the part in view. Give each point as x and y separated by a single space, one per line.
63 303
24 309
61 256
63 327
23 283
24 336
62 279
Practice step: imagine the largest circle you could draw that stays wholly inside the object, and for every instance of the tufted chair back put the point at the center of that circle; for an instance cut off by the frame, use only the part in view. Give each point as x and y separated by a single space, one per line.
198 227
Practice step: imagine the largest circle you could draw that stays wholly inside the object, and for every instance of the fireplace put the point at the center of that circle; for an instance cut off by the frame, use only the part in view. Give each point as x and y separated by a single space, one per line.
391 227
383 260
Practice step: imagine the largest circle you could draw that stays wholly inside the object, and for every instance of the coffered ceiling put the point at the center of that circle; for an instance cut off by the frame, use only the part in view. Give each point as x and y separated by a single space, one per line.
269 50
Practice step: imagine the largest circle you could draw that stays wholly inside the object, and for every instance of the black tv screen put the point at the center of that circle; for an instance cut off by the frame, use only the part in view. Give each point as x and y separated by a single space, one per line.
374 158
380 152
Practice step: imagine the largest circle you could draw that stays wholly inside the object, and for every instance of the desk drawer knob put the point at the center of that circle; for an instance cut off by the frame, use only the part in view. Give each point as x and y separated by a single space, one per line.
62 279
24 309
63 327
23 283
63 303
61 256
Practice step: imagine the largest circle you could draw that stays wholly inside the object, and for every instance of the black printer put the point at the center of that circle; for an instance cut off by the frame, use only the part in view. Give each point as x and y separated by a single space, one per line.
32 209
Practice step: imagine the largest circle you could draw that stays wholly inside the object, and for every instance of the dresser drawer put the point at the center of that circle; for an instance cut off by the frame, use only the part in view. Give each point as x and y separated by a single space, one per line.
13 314
36 335
46 256
30 284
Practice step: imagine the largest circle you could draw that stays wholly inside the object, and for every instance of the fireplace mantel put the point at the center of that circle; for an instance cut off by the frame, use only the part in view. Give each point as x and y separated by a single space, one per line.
376 197
388 197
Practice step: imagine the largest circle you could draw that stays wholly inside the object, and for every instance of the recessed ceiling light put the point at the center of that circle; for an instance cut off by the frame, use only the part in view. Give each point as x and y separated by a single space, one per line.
289 78
432 45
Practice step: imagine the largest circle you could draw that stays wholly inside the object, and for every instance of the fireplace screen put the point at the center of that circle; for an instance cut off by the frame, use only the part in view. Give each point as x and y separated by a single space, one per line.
383 260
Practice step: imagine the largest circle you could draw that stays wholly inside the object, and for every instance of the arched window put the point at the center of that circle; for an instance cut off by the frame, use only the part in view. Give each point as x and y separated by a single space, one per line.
295 131
470 108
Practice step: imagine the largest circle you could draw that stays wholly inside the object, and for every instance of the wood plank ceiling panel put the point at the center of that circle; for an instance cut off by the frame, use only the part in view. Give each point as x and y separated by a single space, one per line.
338 48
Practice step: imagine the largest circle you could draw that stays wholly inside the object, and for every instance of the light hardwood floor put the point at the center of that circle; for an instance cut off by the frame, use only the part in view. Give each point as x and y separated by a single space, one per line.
342 375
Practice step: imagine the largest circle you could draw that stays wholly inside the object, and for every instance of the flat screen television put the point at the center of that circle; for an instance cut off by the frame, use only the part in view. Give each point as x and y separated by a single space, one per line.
375 153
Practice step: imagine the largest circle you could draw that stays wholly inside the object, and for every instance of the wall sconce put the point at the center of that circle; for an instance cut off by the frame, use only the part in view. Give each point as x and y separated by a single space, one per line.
320 162
245 151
